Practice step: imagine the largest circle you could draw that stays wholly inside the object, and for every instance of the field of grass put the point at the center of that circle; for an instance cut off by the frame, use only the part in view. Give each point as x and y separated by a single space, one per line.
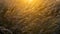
30 16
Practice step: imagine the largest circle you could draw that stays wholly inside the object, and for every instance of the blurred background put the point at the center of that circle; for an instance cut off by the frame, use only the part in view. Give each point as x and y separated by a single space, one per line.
29 16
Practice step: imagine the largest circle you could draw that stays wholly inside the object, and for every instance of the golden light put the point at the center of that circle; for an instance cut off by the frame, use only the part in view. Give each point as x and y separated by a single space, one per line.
29 5
29 1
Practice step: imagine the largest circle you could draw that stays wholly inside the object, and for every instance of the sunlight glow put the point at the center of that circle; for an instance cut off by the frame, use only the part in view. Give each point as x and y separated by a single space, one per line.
28 1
